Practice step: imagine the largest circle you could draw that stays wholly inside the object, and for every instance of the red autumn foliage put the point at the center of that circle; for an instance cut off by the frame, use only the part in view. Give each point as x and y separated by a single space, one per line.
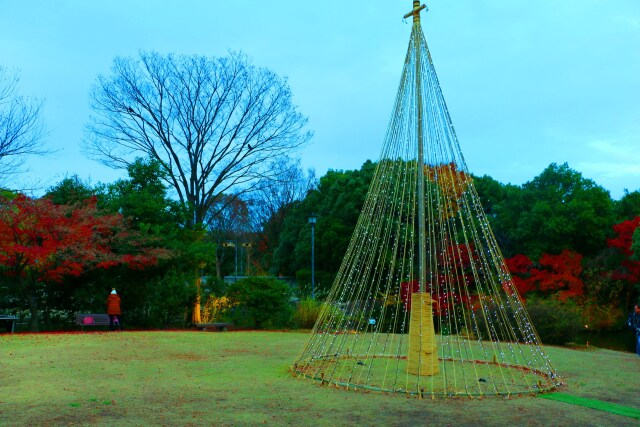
561 272
459 256
553 273
44 242
442 302
624 231
457 259
629 269
519 264
520 267
629 272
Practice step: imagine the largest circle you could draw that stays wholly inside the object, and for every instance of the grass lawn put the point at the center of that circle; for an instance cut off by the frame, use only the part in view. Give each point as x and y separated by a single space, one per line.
243 378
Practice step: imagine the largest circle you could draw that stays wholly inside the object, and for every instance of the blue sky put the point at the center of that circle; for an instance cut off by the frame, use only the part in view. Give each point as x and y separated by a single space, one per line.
526 83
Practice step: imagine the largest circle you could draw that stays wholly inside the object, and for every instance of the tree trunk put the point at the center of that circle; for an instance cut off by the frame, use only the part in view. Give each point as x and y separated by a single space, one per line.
219 268
196 317
33 306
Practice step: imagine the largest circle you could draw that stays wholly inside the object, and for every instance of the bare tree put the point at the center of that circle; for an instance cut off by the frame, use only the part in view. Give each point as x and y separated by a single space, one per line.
21 127
274 199
274 196
230 227
214 124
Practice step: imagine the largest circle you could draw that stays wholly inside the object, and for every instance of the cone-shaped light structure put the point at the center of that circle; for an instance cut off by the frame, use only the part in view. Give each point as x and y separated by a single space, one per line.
423 302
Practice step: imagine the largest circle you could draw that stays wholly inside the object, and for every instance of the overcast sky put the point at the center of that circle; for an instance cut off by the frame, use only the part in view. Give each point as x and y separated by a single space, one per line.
526 83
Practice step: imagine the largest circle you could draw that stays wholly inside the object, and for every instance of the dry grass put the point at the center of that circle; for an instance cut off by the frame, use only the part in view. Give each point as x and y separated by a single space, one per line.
242 378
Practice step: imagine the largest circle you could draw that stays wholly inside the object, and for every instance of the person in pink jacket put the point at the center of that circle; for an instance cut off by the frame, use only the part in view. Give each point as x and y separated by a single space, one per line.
114 311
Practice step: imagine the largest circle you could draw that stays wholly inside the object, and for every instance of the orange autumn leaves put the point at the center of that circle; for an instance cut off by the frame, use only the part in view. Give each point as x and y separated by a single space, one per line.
451 183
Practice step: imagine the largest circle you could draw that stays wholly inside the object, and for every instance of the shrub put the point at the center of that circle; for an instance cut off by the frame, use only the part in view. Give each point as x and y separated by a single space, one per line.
598 317
166 300
260 302
215 308
213 285
490 322
323 282
306 313
556 322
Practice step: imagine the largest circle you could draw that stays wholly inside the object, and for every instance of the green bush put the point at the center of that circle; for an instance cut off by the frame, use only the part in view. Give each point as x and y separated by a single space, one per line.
261 303
166 302
323 282
493 322
306 313
557 322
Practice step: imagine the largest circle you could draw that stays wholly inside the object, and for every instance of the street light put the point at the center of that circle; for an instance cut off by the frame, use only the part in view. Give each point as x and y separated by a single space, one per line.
312 220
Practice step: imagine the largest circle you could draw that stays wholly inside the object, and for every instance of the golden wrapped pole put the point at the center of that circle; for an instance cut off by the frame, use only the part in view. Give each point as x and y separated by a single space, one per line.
422 356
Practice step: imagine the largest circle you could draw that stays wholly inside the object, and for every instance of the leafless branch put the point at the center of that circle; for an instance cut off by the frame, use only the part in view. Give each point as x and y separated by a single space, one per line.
21 127
214 124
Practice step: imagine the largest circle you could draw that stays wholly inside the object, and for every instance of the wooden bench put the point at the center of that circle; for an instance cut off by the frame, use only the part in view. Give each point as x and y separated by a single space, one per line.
92 319
220 326
10 322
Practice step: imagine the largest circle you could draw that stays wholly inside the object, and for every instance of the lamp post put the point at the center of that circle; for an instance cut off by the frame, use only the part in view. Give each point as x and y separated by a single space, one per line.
312 220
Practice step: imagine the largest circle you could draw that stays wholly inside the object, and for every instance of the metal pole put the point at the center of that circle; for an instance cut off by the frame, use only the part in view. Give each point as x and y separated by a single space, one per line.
246 265
236 269
422 239
313 279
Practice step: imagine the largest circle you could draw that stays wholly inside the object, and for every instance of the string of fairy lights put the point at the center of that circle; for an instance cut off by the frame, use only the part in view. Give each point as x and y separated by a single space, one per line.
483 339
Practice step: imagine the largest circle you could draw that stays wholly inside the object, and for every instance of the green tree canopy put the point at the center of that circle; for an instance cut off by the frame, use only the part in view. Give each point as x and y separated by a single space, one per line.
557 210
337 202
628 207
143 198
70 191
490 191
635 244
